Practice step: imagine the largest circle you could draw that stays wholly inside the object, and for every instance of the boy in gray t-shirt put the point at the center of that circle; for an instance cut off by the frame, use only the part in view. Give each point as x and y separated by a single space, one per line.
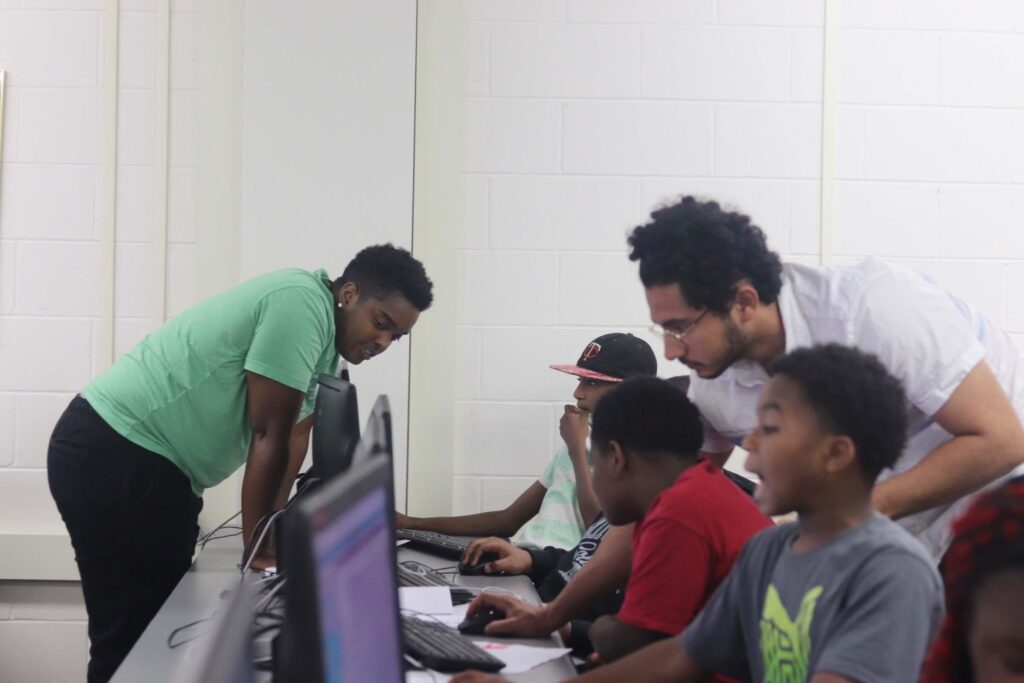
841 595
863 605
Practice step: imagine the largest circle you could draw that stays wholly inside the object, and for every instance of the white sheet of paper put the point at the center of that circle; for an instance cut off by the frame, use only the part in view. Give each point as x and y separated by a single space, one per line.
452 620
436 600
520 658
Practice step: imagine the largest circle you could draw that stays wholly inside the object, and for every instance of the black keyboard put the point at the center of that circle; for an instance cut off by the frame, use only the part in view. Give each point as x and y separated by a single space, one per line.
442 544
444 649
408 577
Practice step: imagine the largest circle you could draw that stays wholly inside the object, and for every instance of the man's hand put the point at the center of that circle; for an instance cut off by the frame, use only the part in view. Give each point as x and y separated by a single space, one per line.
521 618
511 558
574 428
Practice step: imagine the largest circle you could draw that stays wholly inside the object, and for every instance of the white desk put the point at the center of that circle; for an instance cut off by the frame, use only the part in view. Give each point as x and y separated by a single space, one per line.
202 591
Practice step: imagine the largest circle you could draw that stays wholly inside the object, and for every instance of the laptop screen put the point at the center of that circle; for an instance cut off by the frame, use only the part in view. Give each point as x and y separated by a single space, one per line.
356 591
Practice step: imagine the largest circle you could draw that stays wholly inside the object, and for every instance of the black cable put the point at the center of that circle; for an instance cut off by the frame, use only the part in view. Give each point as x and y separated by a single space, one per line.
206 536
170 637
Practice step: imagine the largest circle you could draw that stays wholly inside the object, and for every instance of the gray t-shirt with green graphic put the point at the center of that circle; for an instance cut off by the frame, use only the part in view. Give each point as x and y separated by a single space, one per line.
864 605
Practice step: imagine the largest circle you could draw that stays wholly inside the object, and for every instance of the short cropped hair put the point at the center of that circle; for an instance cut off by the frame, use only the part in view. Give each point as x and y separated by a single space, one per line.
854 395
648 416
384 269
706 251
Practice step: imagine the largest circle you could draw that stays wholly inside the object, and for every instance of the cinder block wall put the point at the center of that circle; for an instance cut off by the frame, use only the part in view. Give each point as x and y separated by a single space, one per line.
584 114
50 207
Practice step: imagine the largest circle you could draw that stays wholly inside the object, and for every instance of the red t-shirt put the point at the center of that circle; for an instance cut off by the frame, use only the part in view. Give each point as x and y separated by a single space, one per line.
685 545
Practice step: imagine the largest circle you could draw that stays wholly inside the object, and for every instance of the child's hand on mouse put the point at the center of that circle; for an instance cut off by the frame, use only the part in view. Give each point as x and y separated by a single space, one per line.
521 618
508 558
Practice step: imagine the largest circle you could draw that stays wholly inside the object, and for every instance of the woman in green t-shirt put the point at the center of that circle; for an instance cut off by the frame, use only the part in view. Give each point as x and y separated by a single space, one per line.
230 381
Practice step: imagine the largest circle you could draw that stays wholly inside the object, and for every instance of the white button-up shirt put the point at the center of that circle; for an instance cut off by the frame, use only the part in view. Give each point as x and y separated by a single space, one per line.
926 337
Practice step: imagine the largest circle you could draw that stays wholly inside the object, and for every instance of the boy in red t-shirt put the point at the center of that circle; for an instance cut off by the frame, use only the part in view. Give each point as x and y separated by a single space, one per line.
691 519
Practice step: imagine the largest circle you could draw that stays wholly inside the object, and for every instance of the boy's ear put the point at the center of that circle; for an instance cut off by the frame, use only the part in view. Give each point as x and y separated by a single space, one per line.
841 454
617 460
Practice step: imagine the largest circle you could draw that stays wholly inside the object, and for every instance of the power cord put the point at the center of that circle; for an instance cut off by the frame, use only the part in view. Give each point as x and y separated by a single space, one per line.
212 535
266 522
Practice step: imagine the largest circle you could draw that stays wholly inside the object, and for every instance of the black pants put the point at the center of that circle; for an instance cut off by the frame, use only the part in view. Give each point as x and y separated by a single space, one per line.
132 517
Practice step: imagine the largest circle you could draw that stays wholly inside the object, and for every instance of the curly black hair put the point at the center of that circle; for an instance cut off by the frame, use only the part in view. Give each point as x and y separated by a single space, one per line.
706 251
649 416
987 538
853 394
384 269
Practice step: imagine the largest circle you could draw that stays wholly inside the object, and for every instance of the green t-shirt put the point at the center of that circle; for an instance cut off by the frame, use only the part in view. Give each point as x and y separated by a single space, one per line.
181 391
559 522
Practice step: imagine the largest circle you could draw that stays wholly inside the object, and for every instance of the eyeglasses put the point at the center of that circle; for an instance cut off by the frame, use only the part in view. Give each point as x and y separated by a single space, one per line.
661 333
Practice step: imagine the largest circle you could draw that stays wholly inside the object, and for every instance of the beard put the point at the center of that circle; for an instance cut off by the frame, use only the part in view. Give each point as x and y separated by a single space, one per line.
736 345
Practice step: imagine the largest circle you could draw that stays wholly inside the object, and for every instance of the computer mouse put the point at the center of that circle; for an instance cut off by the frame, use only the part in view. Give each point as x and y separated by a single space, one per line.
474 625
477 569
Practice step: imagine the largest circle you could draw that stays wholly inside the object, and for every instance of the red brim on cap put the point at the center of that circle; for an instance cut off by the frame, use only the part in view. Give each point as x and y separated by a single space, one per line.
583 372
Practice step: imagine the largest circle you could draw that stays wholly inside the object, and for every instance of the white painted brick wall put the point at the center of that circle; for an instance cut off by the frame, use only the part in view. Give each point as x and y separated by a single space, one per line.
642 11
768 140
55 49
515 362
573 137
564 60
523 297
34 417
50 203
994 214
638 138
58 201
750 64
57 125
562 212
7 425
57 278
889 67
515 136
493 438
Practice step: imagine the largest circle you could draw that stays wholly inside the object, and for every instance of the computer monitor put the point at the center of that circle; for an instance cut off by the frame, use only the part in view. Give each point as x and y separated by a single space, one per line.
376 439
341 609
226 655
335 430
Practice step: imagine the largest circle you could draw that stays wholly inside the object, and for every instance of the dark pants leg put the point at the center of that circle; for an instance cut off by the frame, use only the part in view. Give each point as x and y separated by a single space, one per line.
132 518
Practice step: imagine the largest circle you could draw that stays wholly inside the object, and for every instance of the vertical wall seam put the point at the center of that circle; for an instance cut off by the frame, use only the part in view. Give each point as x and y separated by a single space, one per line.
161 162
829 85
412 249
103 352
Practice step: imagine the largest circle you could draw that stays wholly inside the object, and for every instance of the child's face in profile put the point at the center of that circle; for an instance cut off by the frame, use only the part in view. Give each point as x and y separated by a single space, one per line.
609 487
589 392
995 640
785 448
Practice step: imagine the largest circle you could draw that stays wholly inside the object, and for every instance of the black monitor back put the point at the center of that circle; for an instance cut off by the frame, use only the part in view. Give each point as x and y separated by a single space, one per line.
297 650
335 429
377 440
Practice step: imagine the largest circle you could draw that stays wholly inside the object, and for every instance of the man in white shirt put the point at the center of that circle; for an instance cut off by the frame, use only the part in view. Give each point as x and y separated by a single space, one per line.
726 307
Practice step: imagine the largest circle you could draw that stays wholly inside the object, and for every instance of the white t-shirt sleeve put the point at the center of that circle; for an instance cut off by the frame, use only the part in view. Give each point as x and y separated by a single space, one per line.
714 442
920 334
